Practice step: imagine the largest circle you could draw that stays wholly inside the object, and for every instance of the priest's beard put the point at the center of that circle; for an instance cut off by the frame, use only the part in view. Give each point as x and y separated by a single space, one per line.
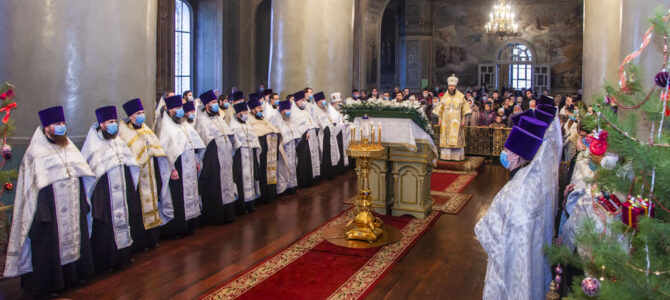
212 114
258 118
190 120
285 117
176 120
452 92
106 134
60 140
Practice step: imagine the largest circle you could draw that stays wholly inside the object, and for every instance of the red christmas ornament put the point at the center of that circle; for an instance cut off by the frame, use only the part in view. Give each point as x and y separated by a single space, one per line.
598 146
7 95
8 186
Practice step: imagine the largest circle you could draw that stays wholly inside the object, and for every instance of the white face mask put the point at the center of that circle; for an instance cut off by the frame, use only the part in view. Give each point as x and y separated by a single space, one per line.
244 117
190 98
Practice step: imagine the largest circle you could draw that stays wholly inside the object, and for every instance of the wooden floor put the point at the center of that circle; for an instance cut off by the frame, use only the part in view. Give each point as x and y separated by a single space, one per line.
447 263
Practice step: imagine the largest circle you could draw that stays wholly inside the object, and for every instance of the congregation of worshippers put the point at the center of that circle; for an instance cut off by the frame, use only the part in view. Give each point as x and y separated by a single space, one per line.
206 160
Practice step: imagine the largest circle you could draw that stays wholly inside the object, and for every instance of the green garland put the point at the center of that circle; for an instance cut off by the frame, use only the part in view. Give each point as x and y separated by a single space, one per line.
375 110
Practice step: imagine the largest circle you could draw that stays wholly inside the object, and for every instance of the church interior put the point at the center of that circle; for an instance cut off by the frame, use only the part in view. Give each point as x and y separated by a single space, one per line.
335 149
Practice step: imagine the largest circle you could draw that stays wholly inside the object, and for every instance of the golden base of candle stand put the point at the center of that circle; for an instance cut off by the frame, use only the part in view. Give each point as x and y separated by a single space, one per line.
364 226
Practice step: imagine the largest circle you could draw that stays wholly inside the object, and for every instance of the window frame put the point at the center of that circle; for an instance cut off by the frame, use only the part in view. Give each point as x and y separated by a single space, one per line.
179 32
520 58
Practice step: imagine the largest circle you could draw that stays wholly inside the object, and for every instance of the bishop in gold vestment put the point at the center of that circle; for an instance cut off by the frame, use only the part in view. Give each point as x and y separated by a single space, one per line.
452 111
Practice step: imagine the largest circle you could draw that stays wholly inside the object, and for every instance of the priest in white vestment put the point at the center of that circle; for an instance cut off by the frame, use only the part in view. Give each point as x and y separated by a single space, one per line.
514 230
330 155
270 104
271 154
189 112
287 180
307 150
158 113
216 183
49 239
115 206
184 149
341 131
153 185
246 160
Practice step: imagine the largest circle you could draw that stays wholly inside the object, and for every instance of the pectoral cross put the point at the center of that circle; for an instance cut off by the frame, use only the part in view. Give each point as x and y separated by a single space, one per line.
67 170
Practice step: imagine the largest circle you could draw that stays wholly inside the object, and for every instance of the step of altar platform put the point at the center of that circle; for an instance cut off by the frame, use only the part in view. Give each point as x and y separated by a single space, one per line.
471 163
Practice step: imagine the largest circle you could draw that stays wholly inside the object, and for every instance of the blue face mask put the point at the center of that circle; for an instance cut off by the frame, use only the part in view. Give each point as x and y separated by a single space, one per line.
60 130
276 102
324 103
225 105
584 141
191 116
311 97
262 89
572 118
112 128
214 108
179 113
503 159
259 114
287 113
140 120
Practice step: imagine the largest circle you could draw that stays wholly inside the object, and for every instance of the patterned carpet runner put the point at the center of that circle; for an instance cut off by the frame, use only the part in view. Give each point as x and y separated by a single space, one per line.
313 268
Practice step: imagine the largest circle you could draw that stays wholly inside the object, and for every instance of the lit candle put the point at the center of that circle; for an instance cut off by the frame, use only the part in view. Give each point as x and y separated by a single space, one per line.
380 133
353 134
372 132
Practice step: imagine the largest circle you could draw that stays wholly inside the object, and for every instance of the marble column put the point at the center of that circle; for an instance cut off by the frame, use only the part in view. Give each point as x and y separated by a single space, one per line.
79 54
602 37
312 45
634 23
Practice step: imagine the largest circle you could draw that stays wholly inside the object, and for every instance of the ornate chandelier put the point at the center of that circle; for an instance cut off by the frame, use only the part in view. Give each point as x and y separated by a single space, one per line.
501 22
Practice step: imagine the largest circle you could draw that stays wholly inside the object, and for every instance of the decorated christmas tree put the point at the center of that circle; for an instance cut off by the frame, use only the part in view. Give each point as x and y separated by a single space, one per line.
629 259
6 176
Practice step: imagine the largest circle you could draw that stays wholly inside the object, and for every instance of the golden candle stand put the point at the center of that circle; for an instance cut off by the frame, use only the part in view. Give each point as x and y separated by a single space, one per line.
364 226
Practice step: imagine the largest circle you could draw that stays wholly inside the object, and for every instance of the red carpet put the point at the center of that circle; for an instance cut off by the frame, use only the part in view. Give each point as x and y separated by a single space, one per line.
440 181
446 188
313 268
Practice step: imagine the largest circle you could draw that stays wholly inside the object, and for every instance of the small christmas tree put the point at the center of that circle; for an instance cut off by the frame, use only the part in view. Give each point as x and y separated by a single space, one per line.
628 262
6 176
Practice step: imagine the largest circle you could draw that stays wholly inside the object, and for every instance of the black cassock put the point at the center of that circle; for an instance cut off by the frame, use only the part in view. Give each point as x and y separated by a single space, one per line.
48 275
209 185
105 253
304 164
268 191
242 205
327 168
178 226
340 147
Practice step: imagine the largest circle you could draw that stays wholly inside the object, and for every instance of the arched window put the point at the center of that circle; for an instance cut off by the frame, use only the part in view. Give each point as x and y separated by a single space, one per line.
520 60
183 46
